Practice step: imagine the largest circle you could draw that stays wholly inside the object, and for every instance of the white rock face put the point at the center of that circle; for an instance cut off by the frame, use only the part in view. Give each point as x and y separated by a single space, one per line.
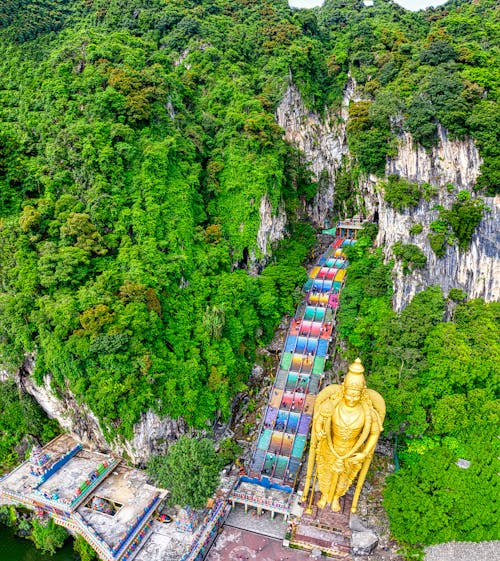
453 162
272 224
450 162
75 418
476 271
323 141
152 434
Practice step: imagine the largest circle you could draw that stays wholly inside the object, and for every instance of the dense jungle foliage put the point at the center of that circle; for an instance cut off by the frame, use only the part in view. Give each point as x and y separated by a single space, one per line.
138 145
47 537
437 366
22 423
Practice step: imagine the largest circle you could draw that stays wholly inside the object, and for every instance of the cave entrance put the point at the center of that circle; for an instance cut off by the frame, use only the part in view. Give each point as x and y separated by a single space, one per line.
244 261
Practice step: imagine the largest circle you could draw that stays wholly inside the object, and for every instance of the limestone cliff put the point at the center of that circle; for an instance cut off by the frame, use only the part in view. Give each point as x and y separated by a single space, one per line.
323 141
152 434
451 162
272 225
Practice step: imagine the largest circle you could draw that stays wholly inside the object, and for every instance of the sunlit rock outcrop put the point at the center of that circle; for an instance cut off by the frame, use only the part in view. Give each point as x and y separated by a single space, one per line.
451 166
272 224
152 434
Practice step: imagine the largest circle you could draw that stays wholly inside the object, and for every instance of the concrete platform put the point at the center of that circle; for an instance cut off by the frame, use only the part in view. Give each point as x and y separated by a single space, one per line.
264 525
165 544
235 544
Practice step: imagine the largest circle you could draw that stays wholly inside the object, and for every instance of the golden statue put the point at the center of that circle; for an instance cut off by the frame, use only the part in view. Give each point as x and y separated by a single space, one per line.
347 422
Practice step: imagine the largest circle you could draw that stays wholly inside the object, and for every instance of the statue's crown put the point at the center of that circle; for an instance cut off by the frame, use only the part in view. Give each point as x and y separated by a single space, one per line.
354 376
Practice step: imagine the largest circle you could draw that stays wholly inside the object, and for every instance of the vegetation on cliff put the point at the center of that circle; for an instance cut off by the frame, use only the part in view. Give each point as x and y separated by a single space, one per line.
46 535
436 364
22 423
138 150
137 143
135 159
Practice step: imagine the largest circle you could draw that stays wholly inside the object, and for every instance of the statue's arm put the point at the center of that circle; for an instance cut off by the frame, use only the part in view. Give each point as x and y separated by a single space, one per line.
317 435
372 439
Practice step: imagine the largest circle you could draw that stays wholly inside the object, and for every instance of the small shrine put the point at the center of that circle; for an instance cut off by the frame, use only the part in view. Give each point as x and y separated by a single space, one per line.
187 520
40 461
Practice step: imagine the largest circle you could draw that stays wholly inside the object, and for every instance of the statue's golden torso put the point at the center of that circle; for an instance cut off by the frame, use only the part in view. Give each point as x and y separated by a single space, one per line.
347 425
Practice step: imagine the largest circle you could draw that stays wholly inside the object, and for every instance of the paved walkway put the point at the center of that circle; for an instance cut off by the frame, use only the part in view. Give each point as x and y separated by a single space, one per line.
464 551
234 544
259 524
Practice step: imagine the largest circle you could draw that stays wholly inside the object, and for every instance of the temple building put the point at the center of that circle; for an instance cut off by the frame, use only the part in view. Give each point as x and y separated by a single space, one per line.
112 506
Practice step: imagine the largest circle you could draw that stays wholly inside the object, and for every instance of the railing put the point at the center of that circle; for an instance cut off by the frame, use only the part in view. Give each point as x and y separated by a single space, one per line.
134 546
15 496
78 498
93 538
137 526
260 501
203 536
72 521
355 221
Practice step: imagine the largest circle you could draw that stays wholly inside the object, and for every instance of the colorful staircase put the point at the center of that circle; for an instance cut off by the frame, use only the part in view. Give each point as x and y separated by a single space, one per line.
282 439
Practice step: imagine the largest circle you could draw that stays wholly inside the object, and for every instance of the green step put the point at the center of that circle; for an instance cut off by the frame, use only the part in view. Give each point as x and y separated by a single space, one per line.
318 365
286 361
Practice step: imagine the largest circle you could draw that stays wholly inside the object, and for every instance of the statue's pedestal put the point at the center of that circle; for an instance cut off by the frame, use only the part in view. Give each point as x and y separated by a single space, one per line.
324 529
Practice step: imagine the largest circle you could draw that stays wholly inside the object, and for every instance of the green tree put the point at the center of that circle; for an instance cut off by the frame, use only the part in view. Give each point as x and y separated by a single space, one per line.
84 549
434 500
189 470
48 536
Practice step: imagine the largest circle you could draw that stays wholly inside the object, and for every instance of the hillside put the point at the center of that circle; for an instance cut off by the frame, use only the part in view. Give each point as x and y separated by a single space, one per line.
154 220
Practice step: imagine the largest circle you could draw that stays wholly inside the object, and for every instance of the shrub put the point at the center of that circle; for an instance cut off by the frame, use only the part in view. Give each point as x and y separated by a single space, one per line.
416 229
438 243
457 295
463 217
400 193
428 191
84 549
461 221
439 226
229 450
411 256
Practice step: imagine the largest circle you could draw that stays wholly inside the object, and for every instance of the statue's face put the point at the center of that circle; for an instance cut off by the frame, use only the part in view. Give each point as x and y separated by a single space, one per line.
352 396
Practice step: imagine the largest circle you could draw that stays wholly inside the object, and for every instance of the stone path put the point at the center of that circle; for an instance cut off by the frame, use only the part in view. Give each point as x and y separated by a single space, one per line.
259 524
464 551
234 544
